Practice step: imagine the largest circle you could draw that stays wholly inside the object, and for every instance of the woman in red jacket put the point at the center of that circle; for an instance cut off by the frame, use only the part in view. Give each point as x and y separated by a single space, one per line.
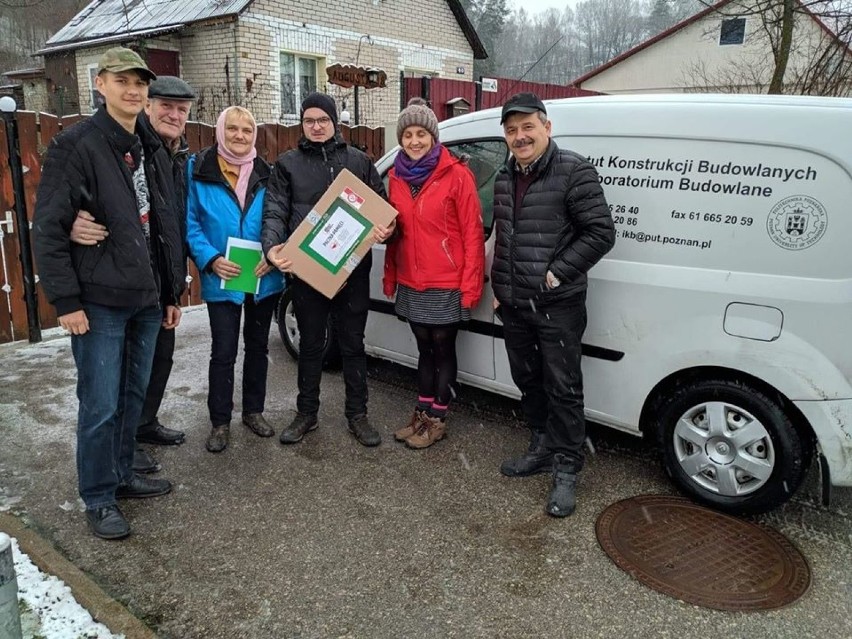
435 264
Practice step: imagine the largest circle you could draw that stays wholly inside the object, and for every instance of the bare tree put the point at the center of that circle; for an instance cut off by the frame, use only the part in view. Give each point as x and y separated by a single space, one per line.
25 25
606 28
808 42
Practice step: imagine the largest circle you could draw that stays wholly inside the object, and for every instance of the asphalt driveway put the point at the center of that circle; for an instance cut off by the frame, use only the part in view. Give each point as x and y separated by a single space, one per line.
330 539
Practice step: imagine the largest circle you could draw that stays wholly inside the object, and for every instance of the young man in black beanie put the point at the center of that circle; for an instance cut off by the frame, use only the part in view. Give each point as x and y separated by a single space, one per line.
299 178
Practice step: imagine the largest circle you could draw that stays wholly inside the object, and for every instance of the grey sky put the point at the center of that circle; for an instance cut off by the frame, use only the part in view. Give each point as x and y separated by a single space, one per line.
537 6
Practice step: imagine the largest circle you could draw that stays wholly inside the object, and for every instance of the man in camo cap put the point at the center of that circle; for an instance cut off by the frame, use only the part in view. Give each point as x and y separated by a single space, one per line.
169 103
112 296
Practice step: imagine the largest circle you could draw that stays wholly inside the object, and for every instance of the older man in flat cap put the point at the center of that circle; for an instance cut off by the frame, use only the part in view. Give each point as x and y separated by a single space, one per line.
169 103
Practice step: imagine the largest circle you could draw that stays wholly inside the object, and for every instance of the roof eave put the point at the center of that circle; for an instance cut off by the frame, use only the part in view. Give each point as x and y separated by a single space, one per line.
86 44
479 52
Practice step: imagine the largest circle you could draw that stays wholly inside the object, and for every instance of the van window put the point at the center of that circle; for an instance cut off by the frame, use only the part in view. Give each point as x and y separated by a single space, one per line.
485 159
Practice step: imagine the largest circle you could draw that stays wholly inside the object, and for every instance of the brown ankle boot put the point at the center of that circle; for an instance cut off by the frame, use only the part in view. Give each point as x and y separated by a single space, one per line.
432 429
411 427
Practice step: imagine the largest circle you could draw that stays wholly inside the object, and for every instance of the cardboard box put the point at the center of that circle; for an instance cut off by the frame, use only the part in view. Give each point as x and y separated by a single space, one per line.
337 233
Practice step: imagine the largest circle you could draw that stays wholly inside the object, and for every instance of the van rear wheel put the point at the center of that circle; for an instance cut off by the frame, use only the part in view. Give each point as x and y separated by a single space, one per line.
730 446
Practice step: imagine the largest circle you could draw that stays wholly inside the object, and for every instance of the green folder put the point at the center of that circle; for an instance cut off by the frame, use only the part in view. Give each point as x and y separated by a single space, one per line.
248 255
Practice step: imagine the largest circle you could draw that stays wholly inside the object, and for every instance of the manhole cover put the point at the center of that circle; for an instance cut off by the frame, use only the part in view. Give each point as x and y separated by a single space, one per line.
701 556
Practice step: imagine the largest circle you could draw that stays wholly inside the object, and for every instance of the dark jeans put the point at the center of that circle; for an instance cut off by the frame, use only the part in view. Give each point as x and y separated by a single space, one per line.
348 310
113 365
160 371
225 333
544 348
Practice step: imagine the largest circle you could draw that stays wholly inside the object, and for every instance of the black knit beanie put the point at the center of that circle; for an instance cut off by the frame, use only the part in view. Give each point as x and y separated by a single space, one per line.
320 101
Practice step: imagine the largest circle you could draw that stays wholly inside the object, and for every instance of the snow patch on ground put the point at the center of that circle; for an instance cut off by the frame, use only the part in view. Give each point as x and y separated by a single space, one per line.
49 609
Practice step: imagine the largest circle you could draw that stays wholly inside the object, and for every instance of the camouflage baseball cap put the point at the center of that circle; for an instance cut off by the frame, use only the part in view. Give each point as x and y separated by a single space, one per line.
119 59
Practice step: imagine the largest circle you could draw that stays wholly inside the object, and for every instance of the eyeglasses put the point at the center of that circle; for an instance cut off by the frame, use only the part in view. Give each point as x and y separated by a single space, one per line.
312 122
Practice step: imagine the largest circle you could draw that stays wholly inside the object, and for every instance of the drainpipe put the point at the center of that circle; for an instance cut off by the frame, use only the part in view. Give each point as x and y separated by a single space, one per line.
7 111
236 65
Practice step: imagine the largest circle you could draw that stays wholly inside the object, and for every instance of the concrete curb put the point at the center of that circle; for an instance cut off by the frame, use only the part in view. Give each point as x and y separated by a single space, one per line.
88 594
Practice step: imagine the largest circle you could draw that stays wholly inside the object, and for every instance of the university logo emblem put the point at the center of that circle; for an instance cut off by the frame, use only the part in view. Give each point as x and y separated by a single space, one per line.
797 222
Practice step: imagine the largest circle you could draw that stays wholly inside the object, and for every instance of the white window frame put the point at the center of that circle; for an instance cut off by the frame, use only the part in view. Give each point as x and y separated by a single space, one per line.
319 69
95 98
420 72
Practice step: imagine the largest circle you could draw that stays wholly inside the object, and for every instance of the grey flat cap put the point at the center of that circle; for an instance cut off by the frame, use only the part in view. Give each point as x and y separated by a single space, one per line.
169 87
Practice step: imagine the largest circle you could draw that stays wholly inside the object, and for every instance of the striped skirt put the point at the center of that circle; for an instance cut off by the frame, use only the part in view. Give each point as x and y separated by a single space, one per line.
434 306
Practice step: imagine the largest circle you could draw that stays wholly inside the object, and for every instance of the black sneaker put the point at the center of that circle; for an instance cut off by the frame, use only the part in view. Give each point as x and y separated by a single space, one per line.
537 459
108 523
217 441
562 499
364 432
300 425
141 487
257 424
144 463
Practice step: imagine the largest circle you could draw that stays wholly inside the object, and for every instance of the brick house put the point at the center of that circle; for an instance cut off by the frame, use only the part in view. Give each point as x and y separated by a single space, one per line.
266 54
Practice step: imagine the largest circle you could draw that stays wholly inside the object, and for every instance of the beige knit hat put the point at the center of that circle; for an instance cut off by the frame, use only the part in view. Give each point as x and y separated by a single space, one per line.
417 115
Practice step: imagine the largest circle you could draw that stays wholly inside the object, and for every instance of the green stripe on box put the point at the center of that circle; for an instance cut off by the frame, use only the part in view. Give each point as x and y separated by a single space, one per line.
305 245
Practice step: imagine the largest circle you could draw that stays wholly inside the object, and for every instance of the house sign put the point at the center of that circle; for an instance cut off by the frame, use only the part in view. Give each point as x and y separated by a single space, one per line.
350 75
489 85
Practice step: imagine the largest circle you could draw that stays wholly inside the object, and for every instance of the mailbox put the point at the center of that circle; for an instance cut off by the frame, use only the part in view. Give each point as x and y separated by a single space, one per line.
456 106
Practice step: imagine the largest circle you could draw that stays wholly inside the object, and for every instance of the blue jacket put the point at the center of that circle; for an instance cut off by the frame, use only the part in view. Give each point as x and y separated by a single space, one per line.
213 215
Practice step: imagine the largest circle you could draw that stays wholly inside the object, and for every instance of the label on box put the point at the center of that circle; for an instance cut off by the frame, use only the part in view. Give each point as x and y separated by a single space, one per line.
336 235
351 263
352 198
313 217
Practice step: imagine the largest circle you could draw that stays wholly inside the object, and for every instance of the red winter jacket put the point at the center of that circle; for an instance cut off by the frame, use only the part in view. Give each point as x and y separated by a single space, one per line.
439 242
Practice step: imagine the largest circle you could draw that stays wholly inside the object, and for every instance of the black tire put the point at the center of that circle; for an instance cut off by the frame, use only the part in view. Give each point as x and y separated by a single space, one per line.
730 446
289 332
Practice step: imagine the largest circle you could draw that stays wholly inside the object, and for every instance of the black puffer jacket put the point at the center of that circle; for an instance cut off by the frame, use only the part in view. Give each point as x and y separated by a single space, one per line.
179 160
563 225
301 176
85 169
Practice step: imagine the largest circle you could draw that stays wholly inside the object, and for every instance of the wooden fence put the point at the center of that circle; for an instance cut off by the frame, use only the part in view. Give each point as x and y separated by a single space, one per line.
439 91
36 131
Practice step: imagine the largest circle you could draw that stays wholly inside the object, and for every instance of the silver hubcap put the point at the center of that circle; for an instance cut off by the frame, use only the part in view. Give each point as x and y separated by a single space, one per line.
724 449
291 326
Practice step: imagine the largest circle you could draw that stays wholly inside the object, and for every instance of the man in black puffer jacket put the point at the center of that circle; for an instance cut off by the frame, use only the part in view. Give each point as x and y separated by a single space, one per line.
108 295
299 179
553 224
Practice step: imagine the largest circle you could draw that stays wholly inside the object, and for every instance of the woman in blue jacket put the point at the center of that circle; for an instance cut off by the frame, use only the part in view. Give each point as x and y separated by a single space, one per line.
225 191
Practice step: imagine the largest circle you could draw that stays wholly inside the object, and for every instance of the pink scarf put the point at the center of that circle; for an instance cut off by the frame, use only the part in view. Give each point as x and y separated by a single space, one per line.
245 162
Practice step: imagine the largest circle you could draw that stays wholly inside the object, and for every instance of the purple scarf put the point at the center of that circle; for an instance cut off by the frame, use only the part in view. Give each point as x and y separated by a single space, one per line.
416 172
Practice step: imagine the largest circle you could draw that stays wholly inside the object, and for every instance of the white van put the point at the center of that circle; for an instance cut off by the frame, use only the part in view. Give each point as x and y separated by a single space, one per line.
720 323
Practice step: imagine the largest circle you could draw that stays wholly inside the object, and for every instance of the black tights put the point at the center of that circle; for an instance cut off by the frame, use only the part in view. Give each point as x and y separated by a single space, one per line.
437 365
